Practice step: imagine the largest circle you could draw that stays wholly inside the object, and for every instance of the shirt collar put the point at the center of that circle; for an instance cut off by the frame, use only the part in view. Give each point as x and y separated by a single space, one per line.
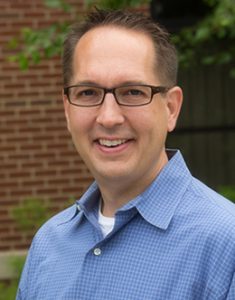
157 204
86 204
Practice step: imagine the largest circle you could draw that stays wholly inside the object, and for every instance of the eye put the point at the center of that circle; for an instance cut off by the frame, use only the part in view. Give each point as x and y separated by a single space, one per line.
86 92
134 92
131 92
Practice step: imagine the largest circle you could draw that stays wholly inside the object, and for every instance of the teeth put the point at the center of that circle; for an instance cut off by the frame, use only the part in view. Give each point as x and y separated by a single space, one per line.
111 143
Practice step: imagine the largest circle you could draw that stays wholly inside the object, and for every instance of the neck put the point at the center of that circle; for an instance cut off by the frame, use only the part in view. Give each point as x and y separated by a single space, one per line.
113 200
116 193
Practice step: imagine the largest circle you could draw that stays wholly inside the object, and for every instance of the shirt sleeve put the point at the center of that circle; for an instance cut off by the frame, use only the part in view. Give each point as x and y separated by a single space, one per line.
21 287
23 284
231 291
18 296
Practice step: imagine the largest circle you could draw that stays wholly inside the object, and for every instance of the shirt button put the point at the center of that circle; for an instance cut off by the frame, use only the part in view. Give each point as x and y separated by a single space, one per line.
97 251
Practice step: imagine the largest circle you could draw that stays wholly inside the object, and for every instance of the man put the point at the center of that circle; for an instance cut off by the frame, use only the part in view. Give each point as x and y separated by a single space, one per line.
146 229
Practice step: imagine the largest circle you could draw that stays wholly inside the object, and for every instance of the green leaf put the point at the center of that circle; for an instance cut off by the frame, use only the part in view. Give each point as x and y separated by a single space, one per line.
202 33
36 57
23 61
210 41
115 4
13 43
13 58
60 4
31 214
228 192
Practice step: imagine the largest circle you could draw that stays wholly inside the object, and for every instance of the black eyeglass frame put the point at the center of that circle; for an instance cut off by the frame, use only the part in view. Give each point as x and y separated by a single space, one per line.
154 90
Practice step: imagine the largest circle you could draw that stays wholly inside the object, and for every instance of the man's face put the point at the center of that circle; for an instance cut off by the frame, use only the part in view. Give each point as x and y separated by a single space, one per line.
120 145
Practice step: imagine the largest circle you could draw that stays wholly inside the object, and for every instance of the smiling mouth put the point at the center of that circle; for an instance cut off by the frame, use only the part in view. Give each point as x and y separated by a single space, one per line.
112 143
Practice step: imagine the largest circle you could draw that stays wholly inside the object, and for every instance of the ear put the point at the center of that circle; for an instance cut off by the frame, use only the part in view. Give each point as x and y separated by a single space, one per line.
174 102
66 109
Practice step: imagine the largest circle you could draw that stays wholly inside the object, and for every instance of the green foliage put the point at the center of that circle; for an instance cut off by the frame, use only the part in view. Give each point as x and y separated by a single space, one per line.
17 263
8 289
30 214
227 191
46 43
114 4
60 4
210 41
38 44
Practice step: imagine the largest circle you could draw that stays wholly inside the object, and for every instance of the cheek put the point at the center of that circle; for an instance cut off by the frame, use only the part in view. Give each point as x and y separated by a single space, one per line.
152 121
79 120
79 124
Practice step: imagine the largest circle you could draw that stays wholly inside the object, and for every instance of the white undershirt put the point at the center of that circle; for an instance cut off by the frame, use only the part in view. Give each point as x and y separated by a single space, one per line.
106 223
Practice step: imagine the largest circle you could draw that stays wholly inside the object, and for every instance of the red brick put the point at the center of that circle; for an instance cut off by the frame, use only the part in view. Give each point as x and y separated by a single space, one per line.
43 139
19 156
21 192
5 247
29 112
16 139
20 174
46 191
7 148
44 155
7 185
33 14
48 173
34 165
4 230
35 145
31 147
34 183
7 166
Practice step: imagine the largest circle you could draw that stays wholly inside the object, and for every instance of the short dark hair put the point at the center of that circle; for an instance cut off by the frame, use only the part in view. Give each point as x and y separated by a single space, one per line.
166 56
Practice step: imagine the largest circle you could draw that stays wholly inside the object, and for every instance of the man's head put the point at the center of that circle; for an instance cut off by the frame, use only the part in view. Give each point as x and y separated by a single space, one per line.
121 141
165 53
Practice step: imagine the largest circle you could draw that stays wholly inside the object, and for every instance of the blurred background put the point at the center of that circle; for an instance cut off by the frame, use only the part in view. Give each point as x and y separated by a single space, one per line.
40 170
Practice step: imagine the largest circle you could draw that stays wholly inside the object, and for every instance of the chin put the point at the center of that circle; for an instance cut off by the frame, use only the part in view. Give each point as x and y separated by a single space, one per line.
112 174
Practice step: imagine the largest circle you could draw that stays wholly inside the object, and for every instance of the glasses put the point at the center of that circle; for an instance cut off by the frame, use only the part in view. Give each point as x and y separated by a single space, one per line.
128 95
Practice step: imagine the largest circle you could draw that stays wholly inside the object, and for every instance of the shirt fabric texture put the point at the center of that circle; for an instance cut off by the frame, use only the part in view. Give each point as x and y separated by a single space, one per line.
175 241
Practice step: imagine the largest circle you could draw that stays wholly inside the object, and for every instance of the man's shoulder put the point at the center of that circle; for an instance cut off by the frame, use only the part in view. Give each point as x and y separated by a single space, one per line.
211 207
63 216
213 198
54 224
207 220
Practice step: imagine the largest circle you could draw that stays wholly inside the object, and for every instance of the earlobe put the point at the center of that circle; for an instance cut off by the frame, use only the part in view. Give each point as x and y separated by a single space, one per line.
174 103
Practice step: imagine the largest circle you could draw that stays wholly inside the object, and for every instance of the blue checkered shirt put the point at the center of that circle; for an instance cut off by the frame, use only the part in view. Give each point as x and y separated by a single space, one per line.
175 241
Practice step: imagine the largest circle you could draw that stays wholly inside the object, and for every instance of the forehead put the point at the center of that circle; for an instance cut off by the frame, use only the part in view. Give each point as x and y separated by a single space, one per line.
113 51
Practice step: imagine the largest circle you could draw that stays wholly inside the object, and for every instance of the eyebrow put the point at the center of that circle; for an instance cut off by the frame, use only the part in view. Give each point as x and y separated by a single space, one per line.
93 83
86 82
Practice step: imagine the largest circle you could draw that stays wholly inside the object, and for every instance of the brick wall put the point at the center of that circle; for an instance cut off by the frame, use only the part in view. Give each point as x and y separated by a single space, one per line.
37 158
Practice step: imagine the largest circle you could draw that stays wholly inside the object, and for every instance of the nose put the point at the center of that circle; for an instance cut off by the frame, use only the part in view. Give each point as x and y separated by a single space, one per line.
110 113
